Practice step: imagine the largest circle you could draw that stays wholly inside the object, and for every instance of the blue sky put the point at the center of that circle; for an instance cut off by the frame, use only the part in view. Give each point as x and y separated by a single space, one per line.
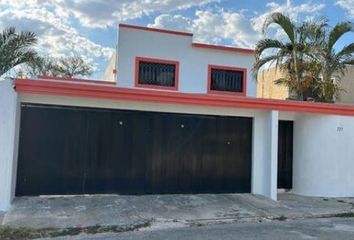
89 27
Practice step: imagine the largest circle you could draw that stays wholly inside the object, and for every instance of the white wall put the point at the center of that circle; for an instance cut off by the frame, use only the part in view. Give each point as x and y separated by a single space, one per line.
108 74
265 157
8 150
193 62
323 163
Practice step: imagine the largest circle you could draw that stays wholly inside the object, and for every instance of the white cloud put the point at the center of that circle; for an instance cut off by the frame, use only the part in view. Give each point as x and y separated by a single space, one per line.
348 5
100 14
235 27
55 36
58 23
213 26
295 12
176 22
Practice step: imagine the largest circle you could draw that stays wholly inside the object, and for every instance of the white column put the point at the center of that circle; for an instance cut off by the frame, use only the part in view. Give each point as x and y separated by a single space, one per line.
265 154
8 131
274 125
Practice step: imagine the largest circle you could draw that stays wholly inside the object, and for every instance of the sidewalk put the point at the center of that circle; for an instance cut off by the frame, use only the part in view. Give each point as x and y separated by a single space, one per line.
112 213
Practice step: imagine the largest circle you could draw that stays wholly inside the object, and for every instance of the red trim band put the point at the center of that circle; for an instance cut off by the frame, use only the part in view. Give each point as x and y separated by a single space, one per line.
156 30
244 80
111 92
223 48
156 60
75 80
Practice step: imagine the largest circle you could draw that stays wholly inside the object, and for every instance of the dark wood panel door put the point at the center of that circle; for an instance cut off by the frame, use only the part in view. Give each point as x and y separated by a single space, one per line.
285 154
52 149
67 150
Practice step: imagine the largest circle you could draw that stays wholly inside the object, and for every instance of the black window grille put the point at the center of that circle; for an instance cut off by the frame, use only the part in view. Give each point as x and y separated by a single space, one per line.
226 80
160 74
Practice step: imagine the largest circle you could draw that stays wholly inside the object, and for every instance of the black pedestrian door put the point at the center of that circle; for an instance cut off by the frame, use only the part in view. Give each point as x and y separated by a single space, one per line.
69 150
285 154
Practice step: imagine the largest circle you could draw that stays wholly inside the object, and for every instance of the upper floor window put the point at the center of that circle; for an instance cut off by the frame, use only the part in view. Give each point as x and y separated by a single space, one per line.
156 73
227 80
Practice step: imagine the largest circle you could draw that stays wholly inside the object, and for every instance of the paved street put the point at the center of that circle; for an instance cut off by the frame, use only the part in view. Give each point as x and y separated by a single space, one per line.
200 216
185 209
334 228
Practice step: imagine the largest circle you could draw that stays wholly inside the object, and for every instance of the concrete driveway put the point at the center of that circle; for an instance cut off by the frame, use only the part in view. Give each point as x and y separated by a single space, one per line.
79 211
114 213
306 229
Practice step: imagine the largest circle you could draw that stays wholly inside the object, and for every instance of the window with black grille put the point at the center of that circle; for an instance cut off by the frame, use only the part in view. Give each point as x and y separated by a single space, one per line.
158 74
226 80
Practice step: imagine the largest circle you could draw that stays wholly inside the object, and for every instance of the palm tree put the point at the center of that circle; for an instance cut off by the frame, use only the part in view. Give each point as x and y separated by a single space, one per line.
288 55
333 63
16 48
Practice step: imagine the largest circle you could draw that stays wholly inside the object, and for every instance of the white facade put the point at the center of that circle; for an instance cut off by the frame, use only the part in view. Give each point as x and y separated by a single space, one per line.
193 61
9 117
110 72
323 155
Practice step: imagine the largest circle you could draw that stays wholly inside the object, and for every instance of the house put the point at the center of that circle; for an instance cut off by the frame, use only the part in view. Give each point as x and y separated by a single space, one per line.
267 89
181 117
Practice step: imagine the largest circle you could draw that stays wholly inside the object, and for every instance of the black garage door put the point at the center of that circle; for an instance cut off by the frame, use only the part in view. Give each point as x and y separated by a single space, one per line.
67 150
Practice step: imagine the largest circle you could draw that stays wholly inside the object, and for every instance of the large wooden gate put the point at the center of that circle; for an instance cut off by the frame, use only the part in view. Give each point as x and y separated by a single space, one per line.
69 150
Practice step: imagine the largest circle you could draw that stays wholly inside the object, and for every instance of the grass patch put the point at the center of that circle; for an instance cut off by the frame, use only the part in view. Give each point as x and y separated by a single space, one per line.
21 233
338 215
343 215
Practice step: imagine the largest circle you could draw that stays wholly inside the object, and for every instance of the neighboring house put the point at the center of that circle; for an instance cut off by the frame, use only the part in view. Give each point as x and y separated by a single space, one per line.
110 73
267 89
347 84
182 117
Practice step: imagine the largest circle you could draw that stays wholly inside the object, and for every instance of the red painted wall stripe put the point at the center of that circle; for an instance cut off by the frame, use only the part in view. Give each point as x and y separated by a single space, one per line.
110 92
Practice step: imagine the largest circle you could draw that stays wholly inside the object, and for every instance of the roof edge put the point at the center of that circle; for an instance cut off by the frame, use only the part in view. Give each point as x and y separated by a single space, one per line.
224 48
107 91
123 25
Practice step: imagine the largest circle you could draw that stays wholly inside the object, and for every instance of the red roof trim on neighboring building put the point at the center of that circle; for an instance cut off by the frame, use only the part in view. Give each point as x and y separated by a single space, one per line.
107 91
156 30
223 48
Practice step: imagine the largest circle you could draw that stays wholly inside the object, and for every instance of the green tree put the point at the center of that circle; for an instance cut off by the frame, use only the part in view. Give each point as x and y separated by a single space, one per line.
307 56
72 67
333 62
288 55
41 66
58 67
16 48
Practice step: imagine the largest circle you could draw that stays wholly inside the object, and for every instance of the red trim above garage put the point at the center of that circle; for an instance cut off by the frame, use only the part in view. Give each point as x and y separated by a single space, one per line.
107 91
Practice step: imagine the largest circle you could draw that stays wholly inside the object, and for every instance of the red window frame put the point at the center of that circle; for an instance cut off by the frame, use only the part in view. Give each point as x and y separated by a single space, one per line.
244 80
156 60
